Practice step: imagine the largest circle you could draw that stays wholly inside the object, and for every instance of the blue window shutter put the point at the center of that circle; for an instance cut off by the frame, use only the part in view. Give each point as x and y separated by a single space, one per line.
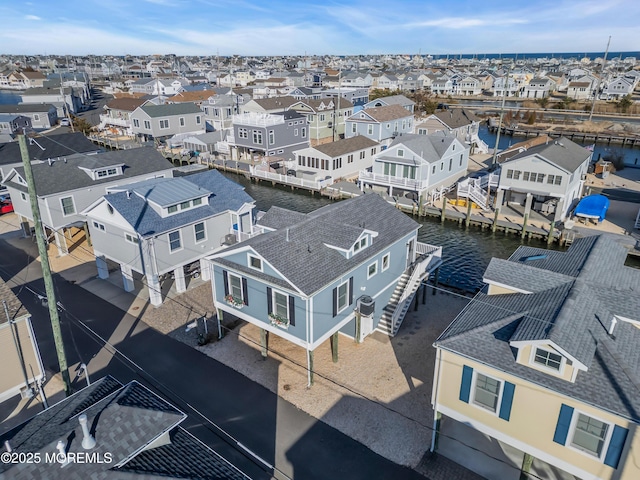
616 445
269 301
507 400
335 301
465 386
245 292
226 282
562 427
292 310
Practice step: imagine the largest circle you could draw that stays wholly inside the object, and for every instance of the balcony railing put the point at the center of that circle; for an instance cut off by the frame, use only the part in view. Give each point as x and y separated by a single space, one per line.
120 122
382 179
292 180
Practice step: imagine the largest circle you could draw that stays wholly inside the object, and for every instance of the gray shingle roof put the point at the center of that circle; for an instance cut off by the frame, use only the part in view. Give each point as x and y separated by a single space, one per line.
562 152
346 146
225 195
430 147
575 296
124 421
53 146
63 176
14 305
170 109
302 251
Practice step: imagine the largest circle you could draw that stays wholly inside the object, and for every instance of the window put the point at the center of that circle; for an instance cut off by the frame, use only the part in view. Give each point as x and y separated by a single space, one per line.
197 201
350 158
172 209
400 152
182 121
354 128
199 232
441 166
486 392
257 137
548 359
243 133
321 117
164 124
23 196
175 243
373 151
589 435
450 163
99 226
198 120
550 179
295 132
255 262
525 176
372 269
509 173
433 170
67 206
36 117
235 286
136 122
147 125
130 238
303 133
516 174
343 296
385 261
370 129
185 205
272 137
281 304
540 178
558 180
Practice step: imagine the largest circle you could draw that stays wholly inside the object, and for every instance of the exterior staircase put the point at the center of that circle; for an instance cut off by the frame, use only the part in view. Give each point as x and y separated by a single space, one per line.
638 220
428 259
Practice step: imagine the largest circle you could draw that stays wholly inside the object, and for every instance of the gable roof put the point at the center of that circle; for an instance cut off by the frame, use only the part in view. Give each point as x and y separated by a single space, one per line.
430 148
27 108
303 244
125 421
275 103
66 175
51 146
128 104
384 114
222 195
562 152
574 296
456 117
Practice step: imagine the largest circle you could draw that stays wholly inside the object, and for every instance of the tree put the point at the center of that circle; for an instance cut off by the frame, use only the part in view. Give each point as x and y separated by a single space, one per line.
543 102
624 103
532 118
379 93
81 125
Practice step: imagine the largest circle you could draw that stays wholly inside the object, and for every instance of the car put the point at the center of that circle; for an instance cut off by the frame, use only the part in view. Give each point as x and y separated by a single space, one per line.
6 207
64 122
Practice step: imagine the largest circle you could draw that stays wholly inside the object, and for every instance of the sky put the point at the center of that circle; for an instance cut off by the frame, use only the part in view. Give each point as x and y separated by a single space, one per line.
311 27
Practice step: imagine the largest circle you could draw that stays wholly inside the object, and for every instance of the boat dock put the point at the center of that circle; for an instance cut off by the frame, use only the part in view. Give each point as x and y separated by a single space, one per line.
630 141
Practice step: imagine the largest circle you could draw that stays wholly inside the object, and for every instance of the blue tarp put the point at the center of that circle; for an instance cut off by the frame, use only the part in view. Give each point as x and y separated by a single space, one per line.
593 206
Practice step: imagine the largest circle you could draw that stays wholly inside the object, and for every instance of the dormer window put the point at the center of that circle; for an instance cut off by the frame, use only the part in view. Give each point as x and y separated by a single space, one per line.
548 359
107 172
400 152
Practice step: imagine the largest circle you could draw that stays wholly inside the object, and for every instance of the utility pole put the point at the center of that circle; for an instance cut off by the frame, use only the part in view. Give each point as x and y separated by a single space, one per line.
46 269
494 161
595 94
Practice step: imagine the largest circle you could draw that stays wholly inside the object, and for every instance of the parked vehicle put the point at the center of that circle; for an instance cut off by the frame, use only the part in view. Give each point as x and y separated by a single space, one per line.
6 207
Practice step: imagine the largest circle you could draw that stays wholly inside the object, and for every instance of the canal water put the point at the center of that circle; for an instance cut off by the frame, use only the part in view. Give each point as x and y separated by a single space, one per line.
466 253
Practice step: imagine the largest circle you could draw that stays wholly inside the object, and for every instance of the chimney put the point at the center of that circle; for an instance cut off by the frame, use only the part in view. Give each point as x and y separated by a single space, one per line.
88 442
128 194
287 233
7 446
612 326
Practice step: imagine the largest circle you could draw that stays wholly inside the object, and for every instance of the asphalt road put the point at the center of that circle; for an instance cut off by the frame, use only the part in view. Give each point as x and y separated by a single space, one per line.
224 407
98 100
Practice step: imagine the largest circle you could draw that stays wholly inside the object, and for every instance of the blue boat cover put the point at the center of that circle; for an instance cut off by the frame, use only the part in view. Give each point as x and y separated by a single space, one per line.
593 206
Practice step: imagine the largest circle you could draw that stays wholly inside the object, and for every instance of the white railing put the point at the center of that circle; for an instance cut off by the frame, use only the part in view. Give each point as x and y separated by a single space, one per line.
383 179
257 119
222 147
242 236
120 122
431 259
470 189
638 220
291 180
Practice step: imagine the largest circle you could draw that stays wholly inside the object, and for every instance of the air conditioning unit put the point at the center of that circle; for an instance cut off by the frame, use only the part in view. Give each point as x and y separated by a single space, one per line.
366 305
26 392
230 239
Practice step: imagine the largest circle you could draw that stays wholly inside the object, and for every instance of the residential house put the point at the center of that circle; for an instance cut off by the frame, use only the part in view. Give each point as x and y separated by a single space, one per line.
219 109
538 88
305 93
112 431
417 164
326 118
312 276
197 97
268 105
160 122
582 88
269 135
618 88
461 123
162 225
409 82
11 124
540 370
159 86
25 79
43 116
388 81
117 116
357 96
66 185
65 99
547 177
468 86
41 148
506 86
22 369
401 100
340 159
442 86
381 124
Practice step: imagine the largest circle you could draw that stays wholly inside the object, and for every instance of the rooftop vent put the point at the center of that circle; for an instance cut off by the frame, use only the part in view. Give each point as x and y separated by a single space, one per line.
88 442
531 258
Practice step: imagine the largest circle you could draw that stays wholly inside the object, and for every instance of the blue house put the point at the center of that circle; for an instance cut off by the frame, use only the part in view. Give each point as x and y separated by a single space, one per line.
351 267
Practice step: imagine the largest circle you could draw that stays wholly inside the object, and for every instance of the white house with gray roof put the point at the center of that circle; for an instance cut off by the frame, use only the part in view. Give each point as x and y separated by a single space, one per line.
66 185
541 369
163 225
548 177
381 124
417 163
349 267
163 121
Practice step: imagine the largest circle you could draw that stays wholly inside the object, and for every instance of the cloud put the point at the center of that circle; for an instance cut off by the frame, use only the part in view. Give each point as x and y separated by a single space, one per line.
461 22
32 17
